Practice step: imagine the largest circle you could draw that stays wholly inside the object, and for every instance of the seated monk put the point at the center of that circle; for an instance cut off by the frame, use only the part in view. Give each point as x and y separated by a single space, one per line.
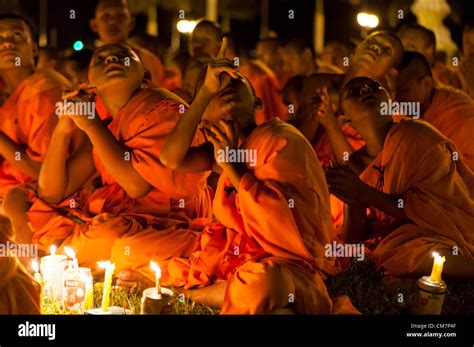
139 197
449 110
19 292
264 251
421 200
422 40
27 116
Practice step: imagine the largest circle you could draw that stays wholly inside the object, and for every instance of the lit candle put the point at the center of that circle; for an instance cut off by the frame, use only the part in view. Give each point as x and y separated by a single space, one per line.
89 298
52 269
157 270
71 254
437 267
109 272
38 277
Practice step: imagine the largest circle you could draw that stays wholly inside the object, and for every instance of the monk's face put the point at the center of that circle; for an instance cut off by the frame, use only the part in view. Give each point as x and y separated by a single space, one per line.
112 22
204 39
269 54
413 40
468 43
115 64
410 88
377 54
361 97
297 61
17 47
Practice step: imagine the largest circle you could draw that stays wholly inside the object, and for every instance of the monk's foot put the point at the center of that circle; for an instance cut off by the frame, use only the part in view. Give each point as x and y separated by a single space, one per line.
133 281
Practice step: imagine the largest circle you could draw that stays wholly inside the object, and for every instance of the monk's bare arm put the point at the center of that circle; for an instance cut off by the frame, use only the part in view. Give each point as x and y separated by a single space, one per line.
390 204
354 228
16 156
112 155
178 142
339 144
198 159
61 176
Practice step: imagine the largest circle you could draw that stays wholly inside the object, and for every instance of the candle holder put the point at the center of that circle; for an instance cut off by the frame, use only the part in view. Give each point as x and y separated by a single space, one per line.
430 296
77 286
113 310
154 304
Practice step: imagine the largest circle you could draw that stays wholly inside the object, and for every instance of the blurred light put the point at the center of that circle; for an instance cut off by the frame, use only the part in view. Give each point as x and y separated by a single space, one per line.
78 45
186 26
367 20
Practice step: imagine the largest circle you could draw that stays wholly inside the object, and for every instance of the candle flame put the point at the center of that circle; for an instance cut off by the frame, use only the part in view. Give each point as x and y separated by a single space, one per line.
156 268
435 254
35 266
52 250
104 264
70 252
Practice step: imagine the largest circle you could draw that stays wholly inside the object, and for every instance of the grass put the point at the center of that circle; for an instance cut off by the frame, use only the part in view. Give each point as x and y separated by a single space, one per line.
371 293
130 300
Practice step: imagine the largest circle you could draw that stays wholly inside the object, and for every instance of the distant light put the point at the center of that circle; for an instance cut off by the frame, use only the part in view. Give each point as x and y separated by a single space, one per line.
186 26
78 45
367 20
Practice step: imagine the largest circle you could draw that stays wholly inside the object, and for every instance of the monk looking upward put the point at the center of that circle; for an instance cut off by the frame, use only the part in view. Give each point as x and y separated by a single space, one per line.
421 200
27 116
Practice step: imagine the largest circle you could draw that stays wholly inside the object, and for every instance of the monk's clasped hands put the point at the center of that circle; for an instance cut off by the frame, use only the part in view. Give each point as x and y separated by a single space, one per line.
345 184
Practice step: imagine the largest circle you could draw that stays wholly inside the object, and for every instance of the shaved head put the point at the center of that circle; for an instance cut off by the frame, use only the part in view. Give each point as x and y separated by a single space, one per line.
415 64
206 38
420 39
396 44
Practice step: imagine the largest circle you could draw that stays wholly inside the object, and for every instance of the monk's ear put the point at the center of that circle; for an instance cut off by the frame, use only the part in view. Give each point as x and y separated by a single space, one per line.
392 74
93 25
258 104
146 76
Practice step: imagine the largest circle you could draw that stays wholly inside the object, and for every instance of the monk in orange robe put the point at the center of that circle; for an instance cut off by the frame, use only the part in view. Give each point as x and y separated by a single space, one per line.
27 116
19 292
450 111
422 40
139 197
422 199
266 251
113 22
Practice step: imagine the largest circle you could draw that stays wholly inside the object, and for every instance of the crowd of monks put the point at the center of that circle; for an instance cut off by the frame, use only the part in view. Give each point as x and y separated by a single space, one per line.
144 178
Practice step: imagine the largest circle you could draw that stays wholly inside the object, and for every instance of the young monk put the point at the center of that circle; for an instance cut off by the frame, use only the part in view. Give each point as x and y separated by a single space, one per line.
206 38
139 198
421 199
449 110
27 116
262 252
113 22
19 292
300 58
422 40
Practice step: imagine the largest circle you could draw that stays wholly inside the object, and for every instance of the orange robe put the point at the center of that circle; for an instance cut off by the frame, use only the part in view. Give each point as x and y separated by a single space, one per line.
452 113
325 154
94 224
28 118
267 88
19 292
446 77
270 238
438 196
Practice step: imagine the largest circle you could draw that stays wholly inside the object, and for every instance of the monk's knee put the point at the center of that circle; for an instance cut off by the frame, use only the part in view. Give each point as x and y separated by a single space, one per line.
259 288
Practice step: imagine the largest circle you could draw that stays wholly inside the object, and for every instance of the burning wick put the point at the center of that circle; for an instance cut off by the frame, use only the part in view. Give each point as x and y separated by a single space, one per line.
154 266
71 254
437 267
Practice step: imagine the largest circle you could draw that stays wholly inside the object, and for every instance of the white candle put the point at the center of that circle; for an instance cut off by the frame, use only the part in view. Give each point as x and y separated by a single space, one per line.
52 269
155 267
